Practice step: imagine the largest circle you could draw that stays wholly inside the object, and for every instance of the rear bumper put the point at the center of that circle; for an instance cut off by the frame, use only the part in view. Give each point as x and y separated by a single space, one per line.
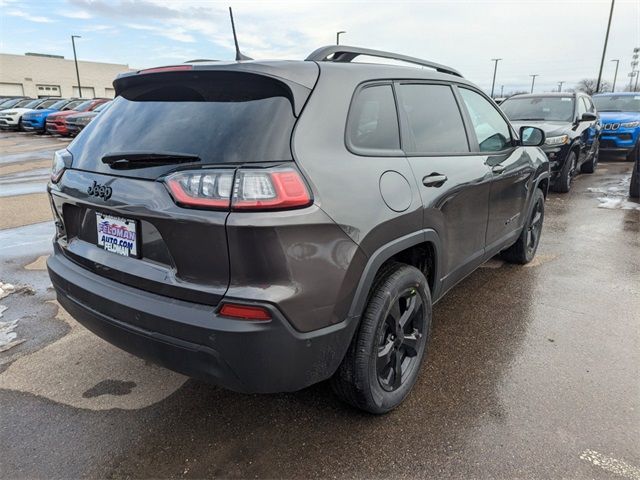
190 338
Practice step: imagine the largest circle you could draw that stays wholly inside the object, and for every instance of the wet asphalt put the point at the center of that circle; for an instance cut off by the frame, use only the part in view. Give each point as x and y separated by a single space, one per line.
532 372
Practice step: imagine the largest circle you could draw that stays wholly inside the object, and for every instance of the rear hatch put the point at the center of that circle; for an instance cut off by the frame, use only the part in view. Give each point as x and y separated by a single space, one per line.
116 214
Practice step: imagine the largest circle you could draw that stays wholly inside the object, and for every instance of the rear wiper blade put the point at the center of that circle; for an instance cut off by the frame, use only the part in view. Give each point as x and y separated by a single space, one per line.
131 160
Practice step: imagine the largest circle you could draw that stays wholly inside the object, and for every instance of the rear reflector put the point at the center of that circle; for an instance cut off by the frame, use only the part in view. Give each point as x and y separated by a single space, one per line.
244 312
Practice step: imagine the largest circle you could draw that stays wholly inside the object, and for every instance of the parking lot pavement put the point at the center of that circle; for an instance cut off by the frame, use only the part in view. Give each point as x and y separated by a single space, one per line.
532 371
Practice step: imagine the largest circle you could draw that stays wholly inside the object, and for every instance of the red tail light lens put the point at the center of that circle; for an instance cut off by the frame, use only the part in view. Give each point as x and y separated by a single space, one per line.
245 312
269 189
248 189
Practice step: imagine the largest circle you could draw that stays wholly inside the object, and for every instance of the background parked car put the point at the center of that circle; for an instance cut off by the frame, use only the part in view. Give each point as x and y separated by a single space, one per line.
10 117
570 122
10 102
620 118
36 121
56 123
75 123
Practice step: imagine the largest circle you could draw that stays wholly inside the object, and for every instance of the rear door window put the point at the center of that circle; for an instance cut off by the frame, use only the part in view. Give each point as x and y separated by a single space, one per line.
434 122
373 121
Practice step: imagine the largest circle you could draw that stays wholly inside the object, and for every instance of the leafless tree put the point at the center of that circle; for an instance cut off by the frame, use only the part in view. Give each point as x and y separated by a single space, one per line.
588 86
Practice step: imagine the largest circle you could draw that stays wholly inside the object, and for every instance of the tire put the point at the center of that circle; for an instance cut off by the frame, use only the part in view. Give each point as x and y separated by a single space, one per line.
563 183
634 186
631 156
526 246
384 358
590 166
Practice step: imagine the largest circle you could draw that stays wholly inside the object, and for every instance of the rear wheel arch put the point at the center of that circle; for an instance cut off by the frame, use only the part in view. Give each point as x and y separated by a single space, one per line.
420 249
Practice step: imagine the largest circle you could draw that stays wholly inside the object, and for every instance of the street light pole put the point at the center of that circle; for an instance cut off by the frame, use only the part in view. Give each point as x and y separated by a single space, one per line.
560 85
615 75
75 59
495 68
533 80
338 36
604 50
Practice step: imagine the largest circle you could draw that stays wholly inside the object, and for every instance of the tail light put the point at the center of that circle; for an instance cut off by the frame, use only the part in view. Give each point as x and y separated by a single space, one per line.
249 189
203 188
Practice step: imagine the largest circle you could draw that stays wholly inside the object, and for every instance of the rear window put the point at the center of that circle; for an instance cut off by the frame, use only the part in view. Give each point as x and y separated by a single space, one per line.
220 117
373 120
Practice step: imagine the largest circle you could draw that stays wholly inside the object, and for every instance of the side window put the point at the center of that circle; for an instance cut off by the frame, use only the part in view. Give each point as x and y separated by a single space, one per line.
491 129
582 108
433 119
373 120
590 107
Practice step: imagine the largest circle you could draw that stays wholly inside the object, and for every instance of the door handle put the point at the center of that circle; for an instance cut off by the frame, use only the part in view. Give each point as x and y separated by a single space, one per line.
498 168
434 180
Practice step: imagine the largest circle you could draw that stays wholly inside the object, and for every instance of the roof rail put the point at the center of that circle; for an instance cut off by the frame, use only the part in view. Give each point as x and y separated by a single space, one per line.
345 54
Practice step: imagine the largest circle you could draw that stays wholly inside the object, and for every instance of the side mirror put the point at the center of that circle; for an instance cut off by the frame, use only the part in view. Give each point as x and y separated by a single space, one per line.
531 136
588 117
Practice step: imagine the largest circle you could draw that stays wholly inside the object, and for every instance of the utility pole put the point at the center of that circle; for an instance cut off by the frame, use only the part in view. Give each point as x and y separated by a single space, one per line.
560 85
75 59
615 75
338 36
495 68
634 67
501 91
533 80
604 50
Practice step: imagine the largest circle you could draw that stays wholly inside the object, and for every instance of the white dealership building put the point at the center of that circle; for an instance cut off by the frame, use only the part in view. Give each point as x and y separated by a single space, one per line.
39 75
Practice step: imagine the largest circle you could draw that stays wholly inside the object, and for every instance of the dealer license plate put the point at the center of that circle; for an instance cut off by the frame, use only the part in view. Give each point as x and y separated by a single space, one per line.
117 235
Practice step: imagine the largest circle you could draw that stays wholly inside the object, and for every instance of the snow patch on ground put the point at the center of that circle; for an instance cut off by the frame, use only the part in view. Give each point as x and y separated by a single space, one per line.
615 197
618 204
6 289
8 338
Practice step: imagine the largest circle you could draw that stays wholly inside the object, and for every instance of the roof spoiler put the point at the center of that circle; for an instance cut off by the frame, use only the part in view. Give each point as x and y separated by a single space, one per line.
346 54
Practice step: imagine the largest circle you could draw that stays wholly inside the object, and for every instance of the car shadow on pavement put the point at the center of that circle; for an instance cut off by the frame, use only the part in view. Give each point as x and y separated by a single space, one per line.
307 433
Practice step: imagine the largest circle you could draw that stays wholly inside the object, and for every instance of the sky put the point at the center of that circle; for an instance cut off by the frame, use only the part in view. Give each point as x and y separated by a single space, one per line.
558 40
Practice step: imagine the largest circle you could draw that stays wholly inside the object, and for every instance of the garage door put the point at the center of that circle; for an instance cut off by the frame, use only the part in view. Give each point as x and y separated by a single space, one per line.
11 90
87 92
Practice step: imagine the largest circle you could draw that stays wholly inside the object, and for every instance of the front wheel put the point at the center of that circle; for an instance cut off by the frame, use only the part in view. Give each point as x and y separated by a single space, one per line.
590 166
526 246
563 183
384 358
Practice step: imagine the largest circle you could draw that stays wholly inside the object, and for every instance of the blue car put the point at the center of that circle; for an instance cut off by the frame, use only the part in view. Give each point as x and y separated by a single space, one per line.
36 121
620 118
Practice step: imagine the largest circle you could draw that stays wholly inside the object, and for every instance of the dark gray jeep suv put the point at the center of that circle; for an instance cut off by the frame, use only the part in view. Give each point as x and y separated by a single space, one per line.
269 225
